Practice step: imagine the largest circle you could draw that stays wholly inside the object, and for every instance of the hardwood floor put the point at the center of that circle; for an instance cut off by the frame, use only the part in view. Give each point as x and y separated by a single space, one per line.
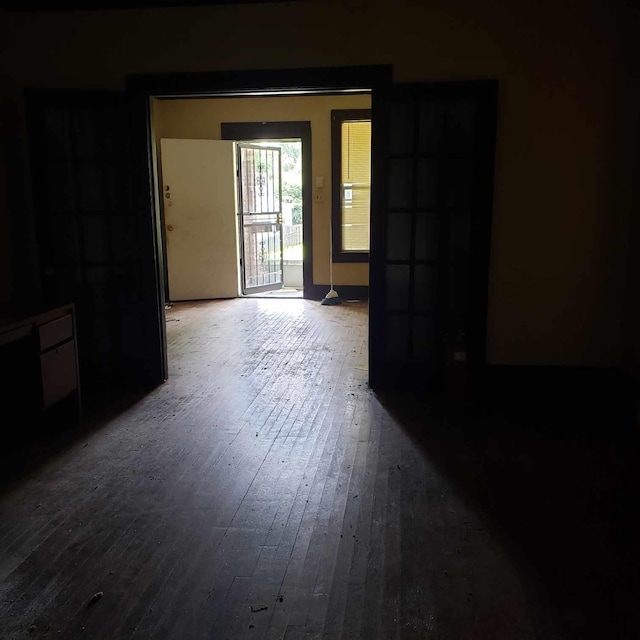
265 492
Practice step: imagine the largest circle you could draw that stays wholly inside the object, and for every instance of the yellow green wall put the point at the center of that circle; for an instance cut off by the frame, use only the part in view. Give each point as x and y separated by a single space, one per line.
567 130
202 119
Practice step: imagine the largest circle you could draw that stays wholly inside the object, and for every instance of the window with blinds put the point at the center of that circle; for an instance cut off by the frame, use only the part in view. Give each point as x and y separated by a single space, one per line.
355 185
351 184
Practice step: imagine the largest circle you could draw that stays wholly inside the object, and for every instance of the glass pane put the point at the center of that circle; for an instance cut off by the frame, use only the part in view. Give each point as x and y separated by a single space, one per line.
460 230
356 207
427 183
66 248
399 236
97 278
123 238
459 292
460 127
57 133
96 238
431 127
126 286
457 183
400 183
91 192
355 184
398 287
402 128
356 152
426 238
398 338
425 347
113 127
65 281
86 127
425 288
101 341
119 193
61 194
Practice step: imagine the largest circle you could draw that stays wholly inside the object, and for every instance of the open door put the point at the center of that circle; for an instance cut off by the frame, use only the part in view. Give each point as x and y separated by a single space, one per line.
260 211
95 233
199 198
432 191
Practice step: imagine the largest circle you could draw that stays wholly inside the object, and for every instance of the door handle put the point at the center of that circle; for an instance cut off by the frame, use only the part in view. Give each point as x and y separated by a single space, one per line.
169 227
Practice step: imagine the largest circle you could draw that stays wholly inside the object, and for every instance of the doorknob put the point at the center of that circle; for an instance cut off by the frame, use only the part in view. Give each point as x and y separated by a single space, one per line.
169 227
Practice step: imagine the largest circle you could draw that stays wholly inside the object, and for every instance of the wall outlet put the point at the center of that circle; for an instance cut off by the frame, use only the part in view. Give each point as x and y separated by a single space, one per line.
318 196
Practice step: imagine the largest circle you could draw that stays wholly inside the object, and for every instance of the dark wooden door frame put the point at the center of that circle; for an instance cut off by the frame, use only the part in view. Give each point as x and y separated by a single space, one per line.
281 130
142 87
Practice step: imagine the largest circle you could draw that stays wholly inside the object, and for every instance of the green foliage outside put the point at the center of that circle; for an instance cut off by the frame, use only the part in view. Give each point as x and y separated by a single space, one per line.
292 177
291 165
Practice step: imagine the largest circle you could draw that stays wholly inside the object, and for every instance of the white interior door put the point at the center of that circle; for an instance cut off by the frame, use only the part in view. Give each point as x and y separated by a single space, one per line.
199 195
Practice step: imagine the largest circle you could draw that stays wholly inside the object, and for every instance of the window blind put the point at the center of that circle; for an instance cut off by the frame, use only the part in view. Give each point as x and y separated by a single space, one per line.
355 185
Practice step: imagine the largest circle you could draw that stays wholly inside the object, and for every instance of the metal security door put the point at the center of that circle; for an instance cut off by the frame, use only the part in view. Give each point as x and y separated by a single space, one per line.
260 214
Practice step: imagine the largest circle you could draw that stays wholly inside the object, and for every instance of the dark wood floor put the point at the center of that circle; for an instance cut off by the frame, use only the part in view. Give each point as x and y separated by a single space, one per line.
265 492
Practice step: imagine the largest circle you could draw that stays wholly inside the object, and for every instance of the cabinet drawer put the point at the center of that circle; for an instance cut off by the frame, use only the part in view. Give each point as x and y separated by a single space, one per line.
59 373
55 332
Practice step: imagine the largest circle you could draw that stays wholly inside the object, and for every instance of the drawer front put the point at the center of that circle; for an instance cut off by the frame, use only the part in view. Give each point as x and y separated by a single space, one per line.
59 373
55 332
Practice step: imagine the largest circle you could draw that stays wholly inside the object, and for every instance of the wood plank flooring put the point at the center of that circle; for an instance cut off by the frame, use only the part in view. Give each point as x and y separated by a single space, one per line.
263 492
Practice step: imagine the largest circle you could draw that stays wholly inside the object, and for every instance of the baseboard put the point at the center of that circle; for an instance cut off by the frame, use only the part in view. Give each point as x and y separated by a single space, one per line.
345 291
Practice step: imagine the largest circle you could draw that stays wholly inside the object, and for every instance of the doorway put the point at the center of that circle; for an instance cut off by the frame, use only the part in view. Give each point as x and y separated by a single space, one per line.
432 149
294 141
270 183
260 217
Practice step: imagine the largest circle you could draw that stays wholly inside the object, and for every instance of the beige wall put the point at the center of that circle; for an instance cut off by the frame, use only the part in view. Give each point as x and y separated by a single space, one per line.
202 119
567 123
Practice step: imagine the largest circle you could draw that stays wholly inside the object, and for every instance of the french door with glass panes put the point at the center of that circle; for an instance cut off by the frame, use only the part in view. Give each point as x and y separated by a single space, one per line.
432 181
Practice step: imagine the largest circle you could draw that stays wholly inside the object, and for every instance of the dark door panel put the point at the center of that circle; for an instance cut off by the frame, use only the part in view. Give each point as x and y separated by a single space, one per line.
433 154
95 236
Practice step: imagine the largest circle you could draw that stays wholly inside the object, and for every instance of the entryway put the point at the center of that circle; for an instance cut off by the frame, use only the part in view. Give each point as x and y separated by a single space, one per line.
270 217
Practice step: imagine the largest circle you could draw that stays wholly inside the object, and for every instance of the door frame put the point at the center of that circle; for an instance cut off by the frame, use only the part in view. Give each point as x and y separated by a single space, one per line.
304 81
301 129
